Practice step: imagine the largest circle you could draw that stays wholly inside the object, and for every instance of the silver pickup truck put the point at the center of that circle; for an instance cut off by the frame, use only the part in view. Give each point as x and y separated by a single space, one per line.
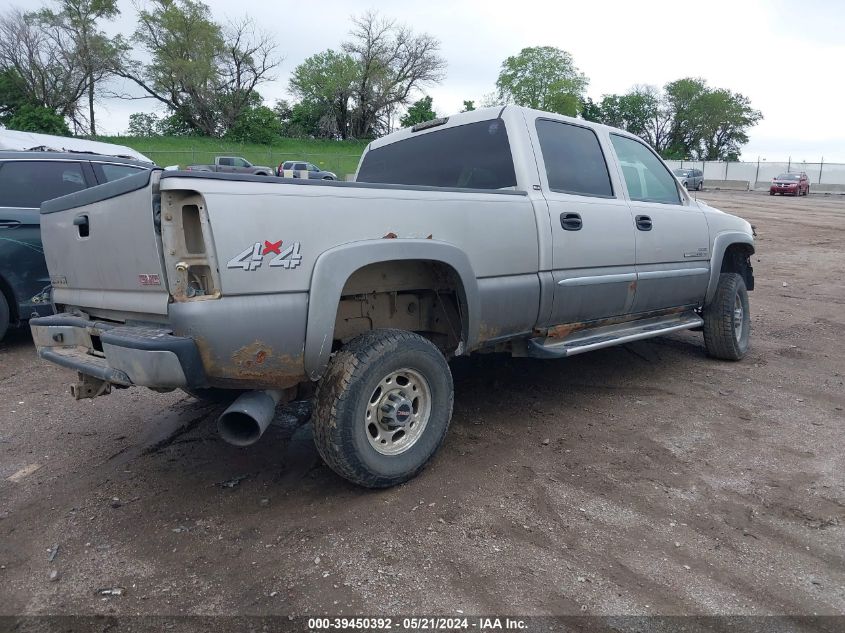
506 229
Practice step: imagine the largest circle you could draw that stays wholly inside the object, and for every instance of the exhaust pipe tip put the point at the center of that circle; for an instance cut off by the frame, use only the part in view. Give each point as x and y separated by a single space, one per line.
239 428
246 419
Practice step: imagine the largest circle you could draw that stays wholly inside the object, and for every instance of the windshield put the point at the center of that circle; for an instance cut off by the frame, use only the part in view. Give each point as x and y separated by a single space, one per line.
682 172
789 177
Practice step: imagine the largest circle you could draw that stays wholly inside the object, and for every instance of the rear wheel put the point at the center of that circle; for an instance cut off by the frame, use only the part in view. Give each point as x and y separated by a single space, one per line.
383 408
4 316
727 319
700 185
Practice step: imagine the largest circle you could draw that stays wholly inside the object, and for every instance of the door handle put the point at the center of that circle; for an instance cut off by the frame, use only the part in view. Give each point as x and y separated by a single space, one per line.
571 221
643 223
81 224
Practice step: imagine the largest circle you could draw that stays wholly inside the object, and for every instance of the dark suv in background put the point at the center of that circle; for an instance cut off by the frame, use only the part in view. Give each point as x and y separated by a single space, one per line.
26 180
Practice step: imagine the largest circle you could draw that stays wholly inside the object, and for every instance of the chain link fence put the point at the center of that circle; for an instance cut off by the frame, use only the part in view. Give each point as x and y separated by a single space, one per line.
759 174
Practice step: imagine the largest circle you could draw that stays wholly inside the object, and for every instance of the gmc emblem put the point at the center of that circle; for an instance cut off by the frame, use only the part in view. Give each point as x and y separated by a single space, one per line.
149 279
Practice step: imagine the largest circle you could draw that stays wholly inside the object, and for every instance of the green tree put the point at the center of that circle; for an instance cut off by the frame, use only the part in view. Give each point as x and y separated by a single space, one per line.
683 96
143 124
204 72
688 119
97 54
258 124
724 118
469 105
36 118
707 123
393 62
542 77
326 82
591 111
642 111
419 112
13 94
175 124
42 64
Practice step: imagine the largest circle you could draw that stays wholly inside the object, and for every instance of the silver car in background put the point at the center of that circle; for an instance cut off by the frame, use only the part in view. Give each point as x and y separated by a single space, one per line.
692 179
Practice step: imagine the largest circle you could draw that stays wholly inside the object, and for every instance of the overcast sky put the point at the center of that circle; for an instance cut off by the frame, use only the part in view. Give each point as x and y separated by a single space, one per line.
787 56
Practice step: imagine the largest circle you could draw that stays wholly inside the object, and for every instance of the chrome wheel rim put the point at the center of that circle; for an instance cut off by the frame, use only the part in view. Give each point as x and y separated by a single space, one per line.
739 317
397 412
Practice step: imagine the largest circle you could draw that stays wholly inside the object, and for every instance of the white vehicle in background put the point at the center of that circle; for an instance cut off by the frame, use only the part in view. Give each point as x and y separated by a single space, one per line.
31 141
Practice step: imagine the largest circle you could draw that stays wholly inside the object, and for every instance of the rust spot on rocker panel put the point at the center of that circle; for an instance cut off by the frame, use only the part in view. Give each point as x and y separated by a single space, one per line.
565 330
487 332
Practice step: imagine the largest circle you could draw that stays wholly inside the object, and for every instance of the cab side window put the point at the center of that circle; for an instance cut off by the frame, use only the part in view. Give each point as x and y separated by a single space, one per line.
645 176
574 160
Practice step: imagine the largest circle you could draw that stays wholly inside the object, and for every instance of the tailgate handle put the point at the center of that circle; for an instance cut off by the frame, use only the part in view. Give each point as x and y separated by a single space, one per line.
81 222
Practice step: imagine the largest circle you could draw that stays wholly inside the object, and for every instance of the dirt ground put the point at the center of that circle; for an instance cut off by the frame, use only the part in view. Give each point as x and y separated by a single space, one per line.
644 479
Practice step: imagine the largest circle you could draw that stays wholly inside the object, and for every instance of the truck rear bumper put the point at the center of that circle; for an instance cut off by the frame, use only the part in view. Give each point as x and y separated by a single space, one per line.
124 355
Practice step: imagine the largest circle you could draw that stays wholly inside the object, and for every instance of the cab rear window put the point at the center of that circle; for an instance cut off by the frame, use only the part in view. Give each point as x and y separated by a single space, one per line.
475 155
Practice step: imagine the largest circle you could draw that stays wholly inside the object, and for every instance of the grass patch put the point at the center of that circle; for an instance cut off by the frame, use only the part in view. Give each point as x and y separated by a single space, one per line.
340 157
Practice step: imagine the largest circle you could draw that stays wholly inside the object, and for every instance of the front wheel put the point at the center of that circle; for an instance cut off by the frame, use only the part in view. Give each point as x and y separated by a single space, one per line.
727 319
383 408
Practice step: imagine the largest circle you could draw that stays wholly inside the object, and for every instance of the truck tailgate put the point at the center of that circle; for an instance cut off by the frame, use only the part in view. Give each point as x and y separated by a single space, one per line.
103 250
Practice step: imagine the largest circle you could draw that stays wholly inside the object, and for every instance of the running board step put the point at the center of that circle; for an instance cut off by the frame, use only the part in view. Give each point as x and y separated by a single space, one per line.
606 336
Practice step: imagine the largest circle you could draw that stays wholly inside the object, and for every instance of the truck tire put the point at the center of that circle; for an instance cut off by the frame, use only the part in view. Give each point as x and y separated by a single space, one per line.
727 320
4 316
383 408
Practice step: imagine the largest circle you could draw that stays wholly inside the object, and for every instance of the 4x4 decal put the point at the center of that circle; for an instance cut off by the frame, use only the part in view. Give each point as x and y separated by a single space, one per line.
252 257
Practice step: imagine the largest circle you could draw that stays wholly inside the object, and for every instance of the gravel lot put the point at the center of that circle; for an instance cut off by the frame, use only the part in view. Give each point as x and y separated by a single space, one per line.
635 480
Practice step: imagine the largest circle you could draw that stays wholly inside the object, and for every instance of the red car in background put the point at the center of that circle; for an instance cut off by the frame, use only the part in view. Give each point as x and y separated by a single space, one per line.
795 183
